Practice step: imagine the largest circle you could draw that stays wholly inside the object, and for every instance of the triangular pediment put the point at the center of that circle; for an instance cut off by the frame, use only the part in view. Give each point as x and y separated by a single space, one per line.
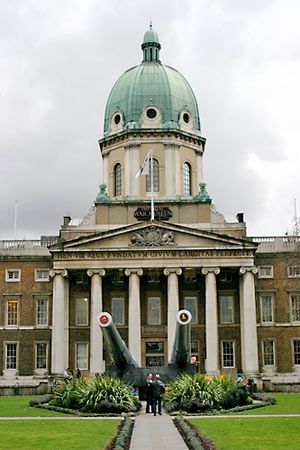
148 235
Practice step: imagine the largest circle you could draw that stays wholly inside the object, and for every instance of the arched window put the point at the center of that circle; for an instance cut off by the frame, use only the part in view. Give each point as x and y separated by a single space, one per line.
117 179
187 179
155 177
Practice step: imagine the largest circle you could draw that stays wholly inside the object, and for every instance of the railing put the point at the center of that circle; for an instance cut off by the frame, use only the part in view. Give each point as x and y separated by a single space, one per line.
25 246
277 244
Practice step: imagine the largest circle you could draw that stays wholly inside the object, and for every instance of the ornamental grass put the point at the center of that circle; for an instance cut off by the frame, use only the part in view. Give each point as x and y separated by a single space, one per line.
104 394
200 394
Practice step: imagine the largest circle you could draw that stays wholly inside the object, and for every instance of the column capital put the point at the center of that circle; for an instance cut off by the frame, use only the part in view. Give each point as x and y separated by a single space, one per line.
91 272
251 269
169 270
61 272
129 272
206 270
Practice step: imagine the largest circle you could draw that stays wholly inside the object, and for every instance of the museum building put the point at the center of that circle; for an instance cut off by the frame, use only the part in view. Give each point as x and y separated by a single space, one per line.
152 243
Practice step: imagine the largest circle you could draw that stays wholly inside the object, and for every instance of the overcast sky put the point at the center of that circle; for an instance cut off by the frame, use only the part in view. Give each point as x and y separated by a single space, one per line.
60 58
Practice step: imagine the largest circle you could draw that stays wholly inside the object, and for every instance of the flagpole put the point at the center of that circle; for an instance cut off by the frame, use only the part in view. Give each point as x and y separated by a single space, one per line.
15 224
152 188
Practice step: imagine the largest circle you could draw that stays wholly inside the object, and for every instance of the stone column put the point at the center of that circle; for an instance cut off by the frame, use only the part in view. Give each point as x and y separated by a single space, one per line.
134 314
173 304
248 321
211 319
97 364
60 322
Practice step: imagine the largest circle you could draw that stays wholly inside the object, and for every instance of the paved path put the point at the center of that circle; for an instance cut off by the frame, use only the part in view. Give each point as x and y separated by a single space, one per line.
155 433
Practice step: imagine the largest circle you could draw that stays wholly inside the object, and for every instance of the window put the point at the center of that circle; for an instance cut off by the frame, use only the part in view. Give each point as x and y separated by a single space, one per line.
190 303
153 276
12 313
268 353
187 179
151 112
81 356
41 351
226 305
155 353
154 311
81 278
295 308
118 276
190 275
266 304
294 271
82 311
13 275
228 354
42 312
225 275
117 310
265 272
296 350
117 180
155 177
41 275
11 355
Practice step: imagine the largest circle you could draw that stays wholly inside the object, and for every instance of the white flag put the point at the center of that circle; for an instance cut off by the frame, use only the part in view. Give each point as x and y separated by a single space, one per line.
144 169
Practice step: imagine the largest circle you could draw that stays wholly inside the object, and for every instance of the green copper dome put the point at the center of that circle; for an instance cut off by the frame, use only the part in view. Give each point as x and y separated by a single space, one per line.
151 95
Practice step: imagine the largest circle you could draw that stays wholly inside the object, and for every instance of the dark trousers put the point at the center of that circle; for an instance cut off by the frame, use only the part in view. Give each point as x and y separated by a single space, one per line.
149 403
158 402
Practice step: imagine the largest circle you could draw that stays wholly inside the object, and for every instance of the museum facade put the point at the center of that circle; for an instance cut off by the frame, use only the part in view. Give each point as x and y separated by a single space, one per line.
152 243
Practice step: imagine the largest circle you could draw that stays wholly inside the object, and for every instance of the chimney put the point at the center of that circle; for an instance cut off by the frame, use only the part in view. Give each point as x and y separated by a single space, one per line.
67 220
240 217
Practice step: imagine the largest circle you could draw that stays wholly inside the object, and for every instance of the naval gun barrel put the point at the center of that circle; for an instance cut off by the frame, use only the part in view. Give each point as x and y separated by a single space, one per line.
181 354
116 346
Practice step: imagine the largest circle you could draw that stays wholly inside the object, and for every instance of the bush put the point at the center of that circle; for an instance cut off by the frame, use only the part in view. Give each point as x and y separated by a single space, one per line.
199 394
122 440
98 395
235 395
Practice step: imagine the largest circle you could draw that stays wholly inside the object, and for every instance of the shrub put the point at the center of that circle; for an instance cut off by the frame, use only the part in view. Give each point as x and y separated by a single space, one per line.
122 440
192 394
199 394
100 394
234 394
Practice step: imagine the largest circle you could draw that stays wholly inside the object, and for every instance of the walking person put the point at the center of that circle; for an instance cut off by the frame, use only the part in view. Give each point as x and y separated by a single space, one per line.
158 389
149 394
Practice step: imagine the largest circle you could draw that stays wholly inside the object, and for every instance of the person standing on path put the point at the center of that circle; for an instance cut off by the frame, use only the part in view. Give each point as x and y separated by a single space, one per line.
149 393
158 389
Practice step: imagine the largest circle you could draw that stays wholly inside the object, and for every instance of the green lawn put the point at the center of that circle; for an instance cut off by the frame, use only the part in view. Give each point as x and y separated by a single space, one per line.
56 434
69 434
19 407
273 433
252 434
286 404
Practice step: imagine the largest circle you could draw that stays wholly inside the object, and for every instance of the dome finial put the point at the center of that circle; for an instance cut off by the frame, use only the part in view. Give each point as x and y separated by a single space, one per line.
150 26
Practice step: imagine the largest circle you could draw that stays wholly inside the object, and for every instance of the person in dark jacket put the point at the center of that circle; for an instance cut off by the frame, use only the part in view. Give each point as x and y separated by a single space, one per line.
149 396
158 389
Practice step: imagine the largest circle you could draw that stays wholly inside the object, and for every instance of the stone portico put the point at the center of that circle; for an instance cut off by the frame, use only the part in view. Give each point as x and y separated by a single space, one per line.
141 249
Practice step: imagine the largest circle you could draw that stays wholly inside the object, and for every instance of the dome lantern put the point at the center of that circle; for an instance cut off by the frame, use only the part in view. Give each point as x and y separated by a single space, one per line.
151 46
